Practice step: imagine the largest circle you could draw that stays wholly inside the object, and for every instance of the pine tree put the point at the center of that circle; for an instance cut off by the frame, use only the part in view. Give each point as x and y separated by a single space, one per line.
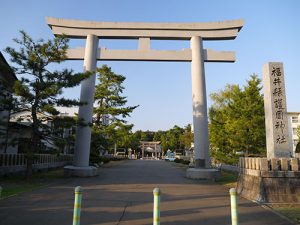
40 89
110 126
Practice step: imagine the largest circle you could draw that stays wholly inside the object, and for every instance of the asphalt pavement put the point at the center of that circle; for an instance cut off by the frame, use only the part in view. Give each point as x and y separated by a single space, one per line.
122 194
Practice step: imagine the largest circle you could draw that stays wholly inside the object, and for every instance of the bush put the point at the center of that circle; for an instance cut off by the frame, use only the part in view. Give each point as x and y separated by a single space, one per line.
177 160
185 162
95 158
298 147
104 159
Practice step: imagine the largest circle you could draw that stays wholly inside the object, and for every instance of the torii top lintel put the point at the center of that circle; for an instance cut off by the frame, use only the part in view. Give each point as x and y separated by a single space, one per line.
225 30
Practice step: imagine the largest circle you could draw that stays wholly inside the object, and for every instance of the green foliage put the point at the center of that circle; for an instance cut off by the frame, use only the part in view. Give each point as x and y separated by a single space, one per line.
297 150
39 89
95 158
228 179
175 138
237 121
16 184
187 137
110 126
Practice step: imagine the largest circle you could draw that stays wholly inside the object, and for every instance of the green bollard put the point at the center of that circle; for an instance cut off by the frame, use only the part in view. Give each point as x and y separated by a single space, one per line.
77 205
156 206
234 210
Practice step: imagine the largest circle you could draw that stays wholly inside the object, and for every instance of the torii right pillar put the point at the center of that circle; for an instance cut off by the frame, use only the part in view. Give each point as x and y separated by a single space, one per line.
200 120
202 168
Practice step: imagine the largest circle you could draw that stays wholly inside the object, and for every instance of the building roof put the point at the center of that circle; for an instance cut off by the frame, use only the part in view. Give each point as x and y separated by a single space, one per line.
293 113
5 70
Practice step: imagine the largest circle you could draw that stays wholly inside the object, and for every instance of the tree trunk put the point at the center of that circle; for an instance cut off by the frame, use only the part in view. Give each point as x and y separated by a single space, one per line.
33 144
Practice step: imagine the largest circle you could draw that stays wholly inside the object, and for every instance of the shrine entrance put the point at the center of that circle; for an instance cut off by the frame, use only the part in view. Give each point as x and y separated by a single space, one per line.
145 32
151 147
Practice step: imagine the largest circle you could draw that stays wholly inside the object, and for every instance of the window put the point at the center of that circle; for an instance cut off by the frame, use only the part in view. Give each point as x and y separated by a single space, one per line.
295 119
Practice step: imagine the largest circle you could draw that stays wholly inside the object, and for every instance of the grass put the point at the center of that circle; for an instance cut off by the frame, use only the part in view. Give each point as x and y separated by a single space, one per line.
289 210
229 179
14 185
18 189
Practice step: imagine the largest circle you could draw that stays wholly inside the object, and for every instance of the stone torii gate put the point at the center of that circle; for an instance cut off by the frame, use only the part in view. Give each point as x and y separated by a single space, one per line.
145 32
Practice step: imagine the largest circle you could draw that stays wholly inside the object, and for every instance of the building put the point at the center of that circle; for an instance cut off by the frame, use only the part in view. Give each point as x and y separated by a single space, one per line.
294 123
20 131
7 79
151 149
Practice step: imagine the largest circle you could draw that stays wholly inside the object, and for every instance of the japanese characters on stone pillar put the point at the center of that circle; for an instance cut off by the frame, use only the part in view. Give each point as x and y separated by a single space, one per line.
275 111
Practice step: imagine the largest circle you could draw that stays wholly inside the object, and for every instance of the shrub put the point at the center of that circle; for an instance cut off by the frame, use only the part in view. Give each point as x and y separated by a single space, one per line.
182 161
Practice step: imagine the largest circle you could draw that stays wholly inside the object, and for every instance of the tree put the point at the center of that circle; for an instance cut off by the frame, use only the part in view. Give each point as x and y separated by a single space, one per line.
187 137
40 89
110 113
237 121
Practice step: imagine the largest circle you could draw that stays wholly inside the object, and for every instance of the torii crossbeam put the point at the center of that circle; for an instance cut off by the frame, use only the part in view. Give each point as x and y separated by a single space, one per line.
145 32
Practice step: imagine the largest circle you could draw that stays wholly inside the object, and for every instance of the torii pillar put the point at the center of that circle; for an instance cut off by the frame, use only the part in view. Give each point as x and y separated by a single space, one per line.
144 32
80 165
200 119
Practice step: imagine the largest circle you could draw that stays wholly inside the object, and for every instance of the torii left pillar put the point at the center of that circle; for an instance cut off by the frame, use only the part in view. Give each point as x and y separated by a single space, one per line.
81 166
202 168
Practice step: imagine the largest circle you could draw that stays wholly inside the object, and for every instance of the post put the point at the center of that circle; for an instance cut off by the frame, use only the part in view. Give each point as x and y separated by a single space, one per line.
156 206
0 191
77 205
233 203
200 120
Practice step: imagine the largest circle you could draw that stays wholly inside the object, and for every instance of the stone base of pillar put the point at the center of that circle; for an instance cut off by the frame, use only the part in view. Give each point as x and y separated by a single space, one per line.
76 171
203 174
199 163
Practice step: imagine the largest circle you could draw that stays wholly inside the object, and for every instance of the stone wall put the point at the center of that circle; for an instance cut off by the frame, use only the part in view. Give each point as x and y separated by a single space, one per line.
274 180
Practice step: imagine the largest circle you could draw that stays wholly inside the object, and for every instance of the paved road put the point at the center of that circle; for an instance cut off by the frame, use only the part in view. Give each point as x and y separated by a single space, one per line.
122 195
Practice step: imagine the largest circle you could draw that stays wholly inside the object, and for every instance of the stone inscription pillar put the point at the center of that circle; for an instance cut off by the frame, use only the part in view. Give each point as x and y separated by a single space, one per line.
277 135
83 134
200 120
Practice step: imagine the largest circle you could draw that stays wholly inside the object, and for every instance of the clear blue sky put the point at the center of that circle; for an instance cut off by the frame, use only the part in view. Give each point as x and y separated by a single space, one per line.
163 90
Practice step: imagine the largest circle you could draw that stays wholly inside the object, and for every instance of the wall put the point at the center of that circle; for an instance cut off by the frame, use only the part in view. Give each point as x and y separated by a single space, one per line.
274 181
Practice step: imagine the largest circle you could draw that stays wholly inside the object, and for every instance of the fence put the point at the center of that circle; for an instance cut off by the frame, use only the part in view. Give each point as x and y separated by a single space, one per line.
15 163
269 180
264 164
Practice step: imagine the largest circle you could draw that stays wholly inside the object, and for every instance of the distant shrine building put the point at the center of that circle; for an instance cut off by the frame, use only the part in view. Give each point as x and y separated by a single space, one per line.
151 149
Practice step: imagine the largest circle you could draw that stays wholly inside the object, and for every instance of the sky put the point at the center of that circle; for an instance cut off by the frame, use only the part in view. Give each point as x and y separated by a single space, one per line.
163 89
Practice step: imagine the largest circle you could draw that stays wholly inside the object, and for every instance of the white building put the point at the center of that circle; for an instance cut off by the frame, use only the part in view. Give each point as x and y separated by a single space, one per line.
294 123
7 79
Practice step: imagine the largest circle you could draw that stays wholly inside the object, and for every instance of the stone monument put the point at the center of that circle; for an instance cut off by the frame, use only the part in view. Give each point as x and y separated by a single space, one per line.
196 33
275 179
277 135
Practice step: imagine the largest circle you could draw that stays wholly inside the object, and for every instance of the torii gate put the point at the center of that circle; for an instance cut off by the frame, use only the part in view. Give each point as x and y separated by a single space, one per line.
144 32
